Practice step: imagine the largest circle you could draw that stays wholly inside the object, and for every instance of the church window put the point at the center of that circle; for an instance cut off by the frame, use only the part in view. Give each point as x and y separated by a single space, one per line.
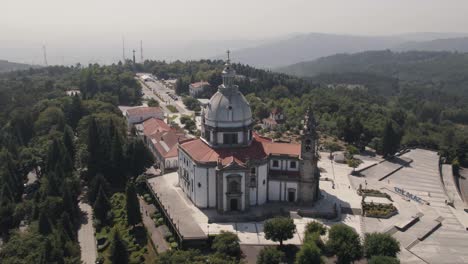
263 182
234 187
253 181
230 138
250 134
293 164
253 178
199 185
276 163
208 136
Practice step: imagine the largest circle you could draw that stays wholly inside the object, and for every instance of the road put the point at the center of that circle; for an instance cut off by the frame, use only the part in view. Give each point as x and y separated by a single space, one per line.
86 235
158 91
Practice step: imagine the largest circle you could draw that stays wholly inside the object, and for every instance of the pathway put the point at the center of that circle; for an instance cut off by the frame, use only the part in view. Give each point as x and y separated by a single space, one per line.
86 235
156 236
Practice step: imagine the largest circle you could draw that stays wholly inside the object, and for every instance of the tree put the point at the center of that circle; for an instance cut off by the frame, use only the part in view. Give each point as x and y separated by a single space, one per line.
98 182
133 205
383 260
191 103
76 111
380 244
316 227
101 206
344 242
118 251
391 140
117 177
139 157
153 103
227 243
270 255
308 254
279 229
93 147
69 142
45 227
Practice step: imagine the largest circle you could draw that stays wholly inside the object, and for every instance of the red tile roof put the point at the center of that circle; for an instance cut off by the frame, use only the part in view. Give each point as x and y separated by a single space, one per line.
144 111
154 125
199 85
166 142
259 149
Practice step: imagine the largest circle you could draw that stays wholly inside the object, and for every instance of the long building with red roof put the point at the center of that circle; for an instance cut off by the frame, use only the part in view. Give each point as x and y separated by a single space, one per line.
231 168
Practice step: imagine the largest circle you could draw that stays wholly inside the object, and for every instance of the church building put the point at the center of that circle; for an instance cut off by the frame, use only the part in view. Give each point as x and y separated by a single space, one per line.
231 168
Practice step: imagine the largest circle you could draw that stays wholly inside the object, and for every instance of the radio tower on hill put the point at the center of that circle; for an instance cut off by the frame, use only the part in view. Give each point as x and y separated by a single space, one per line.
45 55
141 51
123 50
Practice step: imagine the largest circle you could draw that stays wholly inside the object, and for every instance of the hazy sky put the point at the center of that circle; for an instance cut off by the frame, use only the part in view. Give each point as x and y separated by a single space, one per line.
72 29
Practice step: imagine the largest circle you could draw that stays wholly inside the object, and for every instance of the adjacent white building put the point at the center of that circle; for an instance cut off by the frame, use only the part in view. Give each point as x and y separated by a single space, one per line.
230 168
139 114
197 88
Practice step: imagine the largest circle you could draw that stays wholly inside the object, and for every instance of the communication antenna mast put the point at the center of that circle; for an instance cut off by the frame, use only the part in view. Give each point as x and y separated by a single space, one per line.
134 56
123 50
45 55
141 51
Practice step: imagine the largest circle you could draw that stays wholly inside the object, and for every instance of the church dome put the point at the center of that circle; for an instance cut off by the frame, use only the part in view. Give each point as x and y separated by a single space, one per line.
228 108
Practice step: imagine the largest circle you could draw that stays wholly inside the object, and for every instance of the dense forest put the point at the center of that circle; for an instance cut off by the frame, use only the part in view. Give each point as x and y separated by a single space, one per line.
54 145
74 143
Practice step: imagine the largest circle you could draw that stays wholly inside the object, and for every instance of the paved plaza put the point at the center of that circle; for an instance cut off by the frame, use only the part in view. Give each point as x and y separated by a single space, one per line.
439 234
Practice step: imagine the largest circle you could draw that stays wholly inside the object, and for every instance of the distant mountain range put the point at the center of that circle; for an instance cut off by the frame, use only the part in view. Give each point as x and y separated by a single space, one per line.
307 47
7 66
423 69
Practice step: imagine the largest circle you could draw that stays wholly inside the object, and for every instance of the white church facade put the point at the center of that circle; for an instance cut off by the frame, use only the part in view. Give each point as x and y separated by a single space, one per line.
231 168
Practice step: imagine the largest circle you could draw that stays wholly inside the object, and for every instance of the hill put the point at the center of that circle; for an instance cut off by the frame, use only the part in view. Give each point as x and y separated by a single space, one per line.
448 44
6 66
308 47
295 48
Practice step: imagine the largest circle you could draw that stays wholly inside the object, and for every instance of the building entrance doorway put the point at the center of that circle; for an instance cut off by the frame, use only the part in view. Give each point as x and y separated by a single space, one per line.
234 205
291 196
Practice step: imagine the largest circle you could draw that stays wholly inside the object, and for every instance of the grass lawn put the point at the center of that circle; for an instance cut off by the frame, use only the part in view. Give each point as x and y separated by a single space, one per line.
172 108
139 248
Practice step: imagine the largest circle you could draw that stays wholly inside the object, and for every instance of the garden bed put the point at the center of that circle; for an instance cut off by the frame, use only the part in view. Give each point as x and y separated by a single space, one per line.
377 210
373 192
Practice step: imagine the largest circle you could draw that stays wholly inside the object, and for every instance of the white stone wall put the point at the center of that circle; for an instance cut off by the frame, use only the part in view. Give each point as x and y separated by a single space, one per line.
262 188
200 193
171 163
278 190
140 118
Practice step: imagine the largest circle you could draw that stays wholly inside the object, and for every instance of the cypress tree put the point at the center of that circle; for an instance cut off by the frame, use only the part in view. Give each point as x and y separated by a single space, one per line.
45 227
68 141
70 203
133 205
76 111
117 161
118 250
93 147
101 206
98 182
66 224
391 140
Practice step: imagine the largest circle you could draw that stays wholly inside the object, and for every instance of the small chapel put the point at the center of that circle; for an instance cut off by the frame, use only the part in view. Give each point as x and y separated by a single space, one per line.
231 168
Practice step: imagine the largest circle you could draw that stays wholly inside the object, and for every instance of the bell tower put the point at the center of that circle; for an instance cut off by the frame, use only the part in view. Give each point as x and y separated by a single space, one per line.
310 174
